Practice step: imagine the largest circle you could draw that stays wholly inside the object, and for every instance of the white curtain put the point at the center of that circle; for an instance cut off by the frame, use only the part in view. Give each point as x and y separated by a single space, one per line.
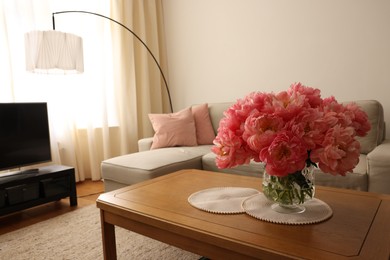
143 90
93 116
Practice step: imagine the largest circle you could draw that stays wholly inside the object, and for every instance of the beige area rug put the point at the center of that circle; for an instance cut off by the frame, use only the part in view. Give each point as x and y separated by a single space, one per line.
77 235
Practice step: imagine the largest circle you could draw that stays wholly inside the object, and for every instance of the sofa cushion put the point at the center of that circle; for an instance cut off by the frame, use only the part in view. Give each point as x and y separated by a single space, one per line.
136 167
174 129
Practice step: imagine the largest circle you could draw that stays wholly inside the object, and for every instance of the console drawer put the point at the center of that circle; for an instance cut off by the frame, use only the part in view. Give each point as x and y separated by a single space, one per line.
55 186
21 193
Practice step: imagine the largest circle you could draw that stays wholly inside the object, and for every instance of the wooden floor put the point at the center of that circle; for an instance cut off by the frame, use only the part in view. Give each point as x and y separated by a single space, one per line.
87 193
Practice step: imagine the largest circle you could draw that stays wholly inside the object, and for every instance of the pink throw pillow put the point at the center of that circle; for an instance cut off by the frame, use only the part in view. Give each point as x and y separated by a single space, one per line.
204 128
175 129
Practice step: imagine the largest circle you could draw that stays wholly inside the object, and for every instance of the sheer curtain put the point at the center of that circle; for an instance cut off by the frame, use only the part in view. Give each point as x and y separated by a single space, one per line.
143 90
100 113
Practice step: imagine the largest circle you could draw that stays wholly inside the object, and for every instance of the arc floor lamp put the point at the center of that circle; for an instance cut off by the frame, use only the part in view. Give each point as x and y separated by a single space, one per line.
46 50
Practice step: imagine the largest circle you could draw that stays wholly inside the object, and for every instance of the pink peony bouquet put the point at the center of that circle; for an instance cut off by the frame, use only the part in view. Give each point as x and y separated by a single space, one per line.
290 130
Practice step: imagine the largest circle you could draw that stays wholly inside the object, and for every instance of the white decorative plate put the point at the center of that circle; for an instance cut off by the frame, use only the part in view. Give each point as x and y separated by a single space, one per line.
222 200
258 206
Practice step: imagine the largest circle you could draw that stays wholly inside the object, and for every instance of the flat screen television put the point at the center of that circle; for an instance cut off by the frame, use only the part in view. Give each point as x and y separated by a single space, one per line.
24 135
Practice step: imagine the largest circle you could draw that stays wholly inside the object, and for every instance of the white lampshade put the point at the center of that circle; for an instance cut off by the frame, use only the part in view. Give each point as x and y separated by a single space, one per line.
53 50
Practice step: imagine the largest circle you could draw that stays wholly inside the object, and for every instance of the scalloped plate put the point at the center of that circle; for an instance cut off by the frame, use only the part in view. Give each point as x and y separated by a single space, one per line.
221 200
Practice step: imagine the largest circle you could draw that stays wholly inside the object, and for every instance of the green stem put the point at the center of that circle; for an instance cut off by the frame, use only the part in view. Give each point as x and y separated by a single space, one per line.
292 189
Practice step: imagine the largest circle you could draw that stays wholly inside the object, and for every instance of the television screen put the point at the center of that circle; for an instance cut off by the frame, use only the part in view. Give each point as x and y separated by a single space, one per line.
24 134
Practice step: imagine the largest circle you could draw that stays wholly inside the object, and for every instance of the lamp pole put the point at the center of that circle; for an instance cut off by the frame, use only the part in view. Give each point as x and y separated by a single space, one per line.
135 35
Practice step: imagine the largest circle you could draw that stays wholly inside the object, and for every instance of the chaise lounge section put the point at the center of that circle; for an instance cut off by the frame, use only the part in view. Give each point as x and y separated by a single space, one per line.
371 174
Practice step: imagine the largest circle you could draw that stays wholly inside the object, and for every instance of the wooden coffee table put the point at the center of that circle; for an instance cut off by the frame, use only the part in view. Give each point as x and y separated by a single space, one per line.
158 208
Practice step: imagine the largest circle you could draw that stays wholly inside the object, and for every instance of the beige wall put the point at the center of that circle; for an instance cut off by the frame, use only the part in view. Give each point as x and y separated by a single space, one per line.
220 50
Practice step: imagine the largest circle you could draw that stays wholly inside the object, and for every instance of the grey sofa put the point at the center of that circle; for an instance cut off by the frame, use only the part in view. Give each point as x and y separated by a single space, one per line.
371 174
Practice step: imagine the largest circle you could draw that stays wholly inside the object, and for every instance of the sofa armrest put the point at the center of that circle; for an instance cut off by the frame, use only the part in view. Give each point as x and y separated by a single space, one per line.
145 144
378 168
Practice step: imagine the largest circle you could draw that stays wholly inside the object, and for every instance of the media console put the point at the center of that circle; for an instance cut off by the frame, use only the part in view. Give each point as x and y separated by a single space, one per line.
28 189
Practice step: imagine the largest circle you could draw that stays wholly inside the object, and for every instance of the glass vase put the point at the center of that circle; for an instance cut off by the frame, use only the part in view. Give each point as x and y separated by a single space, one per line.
290 192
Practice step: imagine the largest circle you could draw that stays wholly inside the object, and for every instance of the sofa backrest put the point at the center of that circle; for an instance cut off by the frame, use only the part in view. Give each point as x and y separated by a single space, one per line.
373 109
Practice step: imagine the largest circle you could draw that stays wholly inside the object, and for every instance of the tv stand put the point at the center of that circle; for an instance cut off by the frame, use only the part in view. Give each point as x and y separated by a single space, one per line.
34 187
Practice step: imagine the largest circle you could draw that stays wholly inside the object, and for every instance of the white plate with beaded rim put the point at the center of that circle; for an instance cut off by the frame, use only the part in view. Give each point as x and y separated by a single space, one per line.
258 206
221 200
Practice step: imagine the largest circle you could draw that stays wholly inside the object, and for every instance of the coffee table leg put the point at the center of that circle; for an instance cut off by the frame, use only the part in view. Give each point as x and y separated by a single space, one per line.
108 238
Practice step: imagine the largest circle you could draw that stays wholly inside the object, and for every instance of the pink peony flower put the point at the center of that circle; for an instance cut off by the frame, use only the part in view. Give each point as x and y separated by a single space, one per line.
286 154
359 120
339 153
230 151
259 130
306 126
312 95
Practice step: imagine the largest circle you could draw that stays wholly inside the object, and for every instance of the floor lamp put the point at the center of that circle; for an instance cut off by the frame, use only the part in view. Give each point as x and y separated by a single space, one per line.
47 50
